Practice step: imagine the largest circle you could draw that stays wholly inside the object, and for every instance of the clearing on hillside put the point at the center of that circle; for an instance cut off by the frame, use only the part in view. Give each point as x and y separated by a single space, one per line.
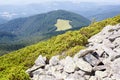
63 25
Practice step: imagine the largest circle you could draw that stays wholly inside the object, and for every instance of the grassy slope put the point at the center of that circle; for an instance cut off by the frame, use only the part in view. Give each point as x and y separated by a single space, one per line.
13 65
63 25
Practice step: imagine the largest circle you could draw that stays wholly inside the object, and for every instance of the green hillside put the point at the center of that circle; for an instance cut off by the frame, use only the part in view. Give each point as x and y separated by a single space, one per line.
35 28
42 23
13 65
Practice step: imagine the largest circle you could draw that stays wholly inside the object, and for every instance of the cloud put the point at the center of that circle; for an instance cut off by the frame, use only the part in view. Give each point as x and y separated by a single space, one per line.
8 15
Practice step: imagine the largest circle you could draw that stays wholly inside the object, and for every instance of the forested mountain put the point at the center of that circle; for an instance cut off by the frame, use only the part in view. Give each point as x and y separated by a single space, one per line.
42 23
13 65
32 29
6 34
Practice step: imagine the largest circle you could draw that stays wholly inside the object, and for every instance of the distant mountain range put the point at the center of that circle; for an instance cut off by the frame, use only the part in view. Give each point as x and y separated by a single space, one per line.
105 15
86 9
23 31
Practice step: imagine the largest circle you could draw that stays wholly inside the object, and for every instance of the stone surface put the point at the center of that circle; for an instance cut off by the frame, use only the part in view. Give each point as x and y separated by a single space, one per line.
74 77
54 60
83 65
116 66
83 53
92 59
99 68
45 77
40 61
116 77
69 65
82 73
93 78
101 74
116 42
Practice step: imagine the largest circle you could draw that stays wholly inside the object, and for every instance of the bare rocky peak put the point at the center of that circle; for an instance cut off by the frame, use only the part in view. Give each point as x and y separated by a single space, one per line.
99 61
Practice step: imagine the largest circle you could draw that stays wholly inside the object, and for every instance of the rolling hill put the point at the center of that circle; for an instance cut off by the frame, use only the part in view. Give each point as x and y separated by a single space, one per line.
32 29
13 65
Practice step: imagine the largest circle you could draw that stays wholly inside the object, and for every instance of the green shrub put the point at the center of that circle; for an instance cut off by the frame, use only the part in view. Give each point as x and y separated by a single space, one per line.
18 74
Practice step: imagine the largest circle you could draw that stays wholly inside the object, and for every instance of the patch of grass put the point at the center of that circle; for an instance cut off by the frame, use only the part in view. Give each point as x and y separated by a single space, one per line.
63 25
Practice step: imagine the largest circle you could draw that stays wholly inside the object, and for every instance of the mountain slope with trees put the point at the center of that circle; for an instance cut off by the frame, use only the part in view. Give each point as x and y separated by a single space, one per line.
36 28
42 23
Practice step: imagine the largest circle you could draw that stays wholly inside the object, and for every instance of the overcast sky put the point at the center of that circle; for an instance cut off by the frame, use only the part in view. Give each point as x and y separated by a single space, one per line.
20 2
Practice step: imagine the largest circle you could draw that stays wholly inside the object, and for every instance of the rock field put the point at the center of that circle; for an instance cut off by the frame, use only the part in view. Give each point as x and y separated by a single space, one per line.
99 61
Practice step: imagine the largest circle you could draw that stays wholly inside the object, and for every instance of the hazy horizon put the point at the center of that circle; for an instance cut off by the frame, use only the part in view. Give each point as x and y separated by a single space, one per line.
25 2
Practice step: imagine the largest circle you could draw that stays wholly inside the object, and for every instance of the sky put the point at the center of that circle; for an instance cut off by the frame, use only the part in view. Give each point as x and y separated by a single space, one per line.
21 2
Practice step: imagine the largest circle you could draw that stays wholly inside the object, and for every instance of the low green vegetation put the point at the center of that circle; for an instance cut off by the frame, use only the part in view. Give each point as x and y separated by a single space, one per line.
13 65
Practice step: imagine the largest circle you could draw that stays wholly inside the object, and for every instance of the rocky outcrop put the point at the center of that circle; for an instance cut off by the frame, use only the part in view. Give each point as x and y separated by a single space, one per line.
99 61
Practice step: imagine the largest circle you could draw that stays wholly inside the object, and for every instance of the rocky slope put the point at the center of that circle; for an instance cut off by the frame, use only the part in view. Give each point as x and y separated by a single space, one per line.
99 61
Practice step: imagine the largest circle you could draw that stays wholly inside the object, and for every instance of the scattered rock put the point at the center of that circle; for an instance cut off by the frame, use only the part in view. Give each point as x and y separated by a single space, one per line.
99 61
69 65
54 60
93 78
40 61
83 65
74 77
80 72
83 53
99 68
116 77
101 74
45 77
92 59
